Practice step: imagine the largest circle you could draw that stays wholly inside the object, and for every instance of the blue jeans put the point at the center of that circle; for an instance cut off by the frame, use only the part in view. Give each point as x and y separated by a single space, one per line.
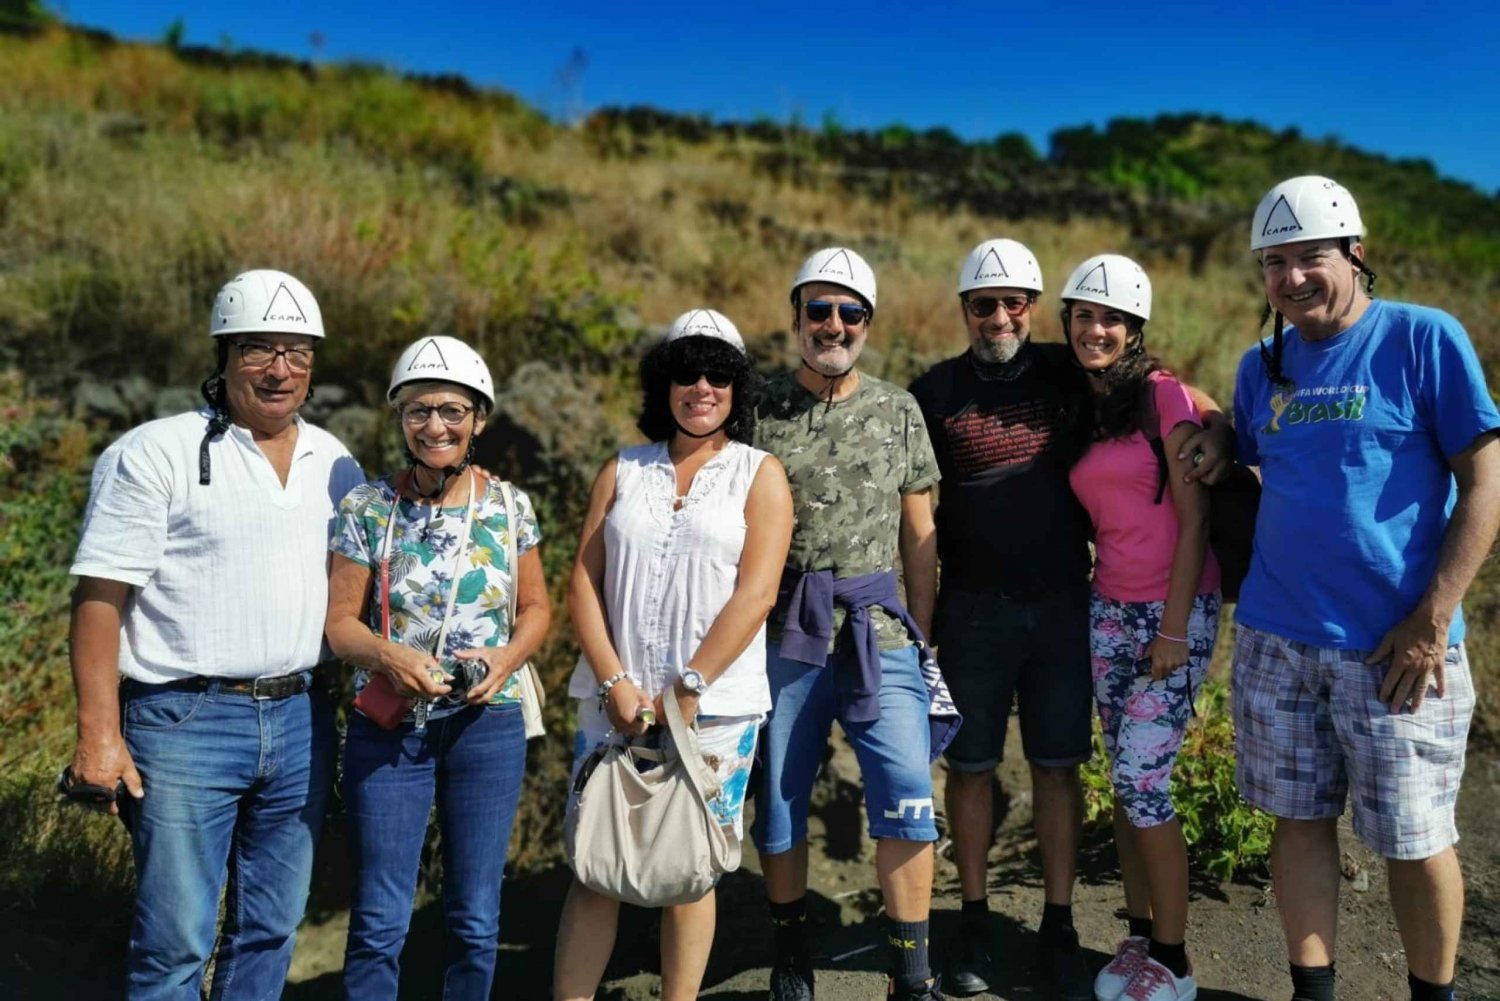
892 750
473 761
234 787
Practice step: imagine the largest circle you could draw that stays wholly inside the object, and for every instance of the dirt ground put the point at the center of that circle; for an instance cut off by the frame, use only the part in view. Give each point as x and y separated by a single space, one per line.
1235 938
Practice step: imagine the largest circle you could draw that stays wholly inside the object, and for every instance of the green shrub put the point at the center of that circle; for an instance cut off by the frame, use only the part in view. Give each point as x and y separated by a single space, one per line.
1226 836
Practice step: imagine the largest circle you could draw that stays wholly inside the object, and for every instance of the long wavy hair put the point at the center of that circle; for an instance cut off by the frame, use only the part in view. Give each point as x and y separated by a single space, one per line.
704 354
1118 400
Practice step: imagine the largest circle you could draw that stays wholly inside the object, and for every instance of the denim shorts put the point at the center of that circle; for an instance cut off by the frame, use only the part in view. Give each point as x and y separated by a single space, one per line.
729 741
892 750
1309 723
997 650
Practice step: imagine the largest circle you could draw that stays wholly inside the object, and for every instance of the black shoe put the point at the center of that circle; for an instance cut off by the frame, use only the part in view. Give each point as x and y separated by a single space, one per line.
1062 969
969 969
927 992
791 982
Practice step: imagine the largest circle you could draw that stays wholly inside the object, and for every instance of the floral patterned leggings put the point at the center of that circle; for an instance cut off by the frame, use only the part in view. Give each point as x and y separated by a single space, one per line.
1144 720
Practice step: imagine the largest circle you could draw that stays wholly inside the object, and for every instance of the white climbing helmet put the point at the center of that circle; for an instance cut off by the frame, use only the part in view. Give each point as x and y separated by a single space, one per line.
838 266
1305 208
1111 280
442 359
705 322
1000 264
265 302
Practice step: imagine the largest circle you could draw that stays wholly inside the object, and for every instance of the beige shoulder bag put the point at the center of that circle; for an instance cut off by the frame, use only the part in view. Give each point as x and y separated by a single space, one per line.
648 837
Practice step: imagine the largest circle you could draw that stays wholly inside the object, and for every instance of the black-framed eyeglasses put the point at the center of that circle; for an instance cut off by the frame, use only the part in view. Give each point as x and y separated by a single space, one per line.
852 314
982 306
257 354
451 414
690 376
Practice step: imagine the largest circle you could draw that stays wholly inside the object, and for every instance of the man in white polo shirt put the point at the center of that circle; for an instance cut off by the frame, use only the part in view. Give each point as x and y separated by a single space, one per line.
202 580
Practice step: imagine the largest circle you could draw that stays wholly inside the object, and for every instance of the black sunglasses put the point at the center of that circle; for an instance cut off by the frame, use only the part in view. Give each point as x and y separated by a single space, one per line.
690 377
851 313
981 306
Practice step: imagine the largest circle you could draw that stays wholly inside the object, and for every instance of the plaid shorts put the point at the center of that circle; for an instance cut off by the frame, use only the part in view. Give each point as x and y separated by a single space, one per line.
1309 723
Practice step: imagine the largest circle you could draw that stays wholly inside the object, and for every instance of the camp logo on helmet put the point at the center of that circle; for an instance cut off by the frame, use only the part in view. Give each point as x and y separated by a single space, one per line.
424 358
985 270
1087 282
701 322
831 266
284 307
1281 219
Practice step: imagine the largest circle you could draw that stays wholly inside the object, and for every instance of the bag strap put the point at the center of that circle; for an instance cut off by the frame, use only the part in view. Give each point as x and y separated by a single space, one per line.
508 497
686 739
1150 423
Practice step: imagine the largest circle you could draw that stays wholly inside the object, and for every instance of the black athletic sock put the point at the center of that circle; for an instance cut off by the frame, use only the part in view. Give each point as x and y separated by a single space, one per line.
975 913
789 923
1173 957
906 943
1312 983
1056 918
1139 927
1421 990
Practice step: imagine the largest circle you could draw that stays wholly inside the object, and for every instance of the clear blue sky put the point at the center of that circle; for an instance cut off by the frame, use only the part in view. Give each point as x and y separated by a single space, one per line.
1403 79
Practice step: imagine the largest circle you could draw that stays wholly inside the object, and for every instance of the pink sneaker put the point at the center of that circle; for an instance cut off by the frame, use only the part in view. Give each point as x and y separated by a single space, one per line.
1154 982
1112 980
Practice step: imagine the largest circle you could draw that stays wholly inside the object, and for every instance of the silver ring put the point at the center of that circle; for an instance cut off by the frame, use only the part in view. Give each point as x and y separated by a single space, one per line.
1197 458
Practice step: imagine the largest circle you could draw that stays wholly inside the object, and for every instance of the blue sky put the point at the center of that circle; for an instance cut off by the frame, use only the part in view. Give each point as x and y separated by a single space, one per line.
1403 79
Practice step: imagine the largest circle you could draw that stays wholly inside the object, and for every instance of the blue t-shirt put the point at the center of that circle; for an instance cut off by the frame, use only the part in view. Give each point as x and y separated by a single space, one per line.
1358 491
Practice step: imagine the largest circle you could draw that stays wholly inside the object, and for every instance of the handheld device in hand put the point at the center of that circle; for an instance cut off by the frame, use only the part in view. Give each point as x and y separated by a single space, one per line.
86 792
465 674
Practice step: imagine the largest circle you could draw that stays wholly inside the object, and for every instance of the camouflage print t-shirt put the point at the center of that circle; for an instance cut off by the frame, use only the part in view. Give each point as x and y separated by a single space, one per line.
848 464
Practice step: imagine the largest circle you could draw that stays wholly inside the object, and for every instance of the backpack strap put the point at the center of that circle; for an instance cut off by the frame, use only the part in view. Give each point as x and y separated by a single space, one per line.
1150 424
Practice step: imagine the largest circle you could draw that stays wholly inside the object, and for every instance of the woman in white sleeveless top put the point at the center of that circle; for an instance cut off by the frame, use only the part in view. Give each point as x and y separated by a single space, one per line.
678 566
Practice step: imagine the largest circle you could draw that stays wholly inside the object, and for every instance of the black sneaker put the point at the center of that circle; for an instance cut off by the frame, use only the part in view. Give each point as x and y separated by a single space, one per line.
1062 969
927 992
791 982
969 969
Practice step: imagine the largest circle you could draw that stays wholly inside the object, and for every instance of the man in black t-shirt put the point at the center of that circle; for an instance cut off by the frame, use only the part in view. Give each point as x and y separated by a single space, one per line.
1012 618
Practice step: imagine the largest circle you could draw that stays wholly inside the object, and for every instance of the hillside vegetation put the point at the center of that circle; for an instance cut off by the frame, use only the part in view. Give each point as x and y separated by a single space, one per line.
134 179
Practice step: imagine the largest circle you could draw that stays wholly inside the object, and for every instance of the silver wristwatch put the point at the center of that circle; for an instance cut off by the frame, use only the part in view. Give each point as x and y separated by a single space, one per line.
693 681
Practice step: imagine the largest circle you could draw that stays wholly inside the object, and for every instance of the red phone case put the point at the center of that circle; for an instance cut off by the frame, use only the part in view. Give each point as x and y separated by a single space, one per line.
380 703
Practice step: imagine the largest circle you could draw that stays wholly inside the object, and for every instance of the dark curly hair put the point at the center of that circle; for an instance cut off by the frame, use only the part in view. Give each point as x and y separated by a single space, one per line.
1119 404
703 354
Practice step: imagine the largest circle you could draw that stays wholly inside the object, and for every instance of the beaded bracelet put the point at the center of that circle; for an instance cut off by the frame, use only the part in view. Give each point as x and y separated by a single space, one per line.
607 684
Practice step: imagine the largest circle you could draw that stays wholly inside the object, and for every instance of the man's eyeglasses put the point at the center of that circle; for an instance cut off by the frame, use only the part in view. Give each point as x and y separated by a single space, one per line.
258 355
851 313
451 414
981 306
690 377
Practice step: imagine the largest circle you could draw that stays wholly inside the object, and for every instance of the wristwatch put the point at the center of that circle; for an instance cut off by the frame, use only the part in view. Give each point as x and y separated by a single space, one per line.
693 681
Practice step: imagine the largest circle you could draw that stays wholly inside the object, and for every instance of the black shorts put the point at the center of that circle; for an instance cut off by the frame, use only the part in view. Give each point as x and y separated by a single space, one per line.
995 651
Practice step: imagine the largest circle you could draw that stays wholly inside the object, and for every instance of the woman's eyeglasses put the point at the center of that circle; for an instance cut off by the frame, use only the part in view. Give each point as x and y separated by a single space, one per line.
690 377
981 306
451 414
852 314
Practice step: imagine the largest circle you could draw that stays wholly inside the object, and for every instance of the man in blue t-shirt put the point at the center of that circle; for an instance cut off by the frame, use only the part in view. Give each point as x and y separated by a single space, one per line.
1375 436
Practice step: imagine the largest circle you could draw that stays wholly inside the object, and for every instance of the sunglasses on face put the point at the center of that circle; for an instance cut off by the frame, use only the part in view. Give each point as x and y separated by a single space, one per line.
690 377
981 306
851 314
451 414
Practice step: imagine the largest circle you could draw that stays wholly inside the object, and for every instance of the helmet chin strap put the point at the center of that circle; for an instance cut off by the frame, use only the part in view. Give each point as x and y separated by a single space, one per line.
695 434
830 380
445 472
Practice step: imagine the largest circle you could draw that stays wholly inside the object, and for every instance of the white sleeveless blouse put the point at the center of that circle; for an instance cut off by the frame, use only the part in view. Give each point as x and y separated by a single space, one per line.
668 573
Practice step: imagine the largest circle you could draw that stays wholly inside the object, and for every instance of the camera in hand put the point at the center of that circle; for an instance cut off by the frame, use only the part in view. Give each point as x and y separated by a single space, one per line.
465 674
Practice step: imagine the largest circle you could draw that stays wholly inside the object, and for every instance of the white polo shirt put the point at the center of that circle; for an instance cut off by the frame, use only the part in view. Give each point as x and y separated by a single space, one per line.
228 580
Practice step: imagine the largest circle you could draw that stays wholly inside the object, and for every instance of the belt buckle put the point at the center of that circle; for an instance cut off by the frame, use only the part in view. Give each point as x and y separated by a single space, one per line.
256 693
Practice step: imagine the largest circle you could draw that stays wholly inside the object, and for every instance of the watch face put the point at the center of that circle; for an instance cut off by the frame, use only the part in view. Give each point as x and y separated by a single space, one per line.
693 682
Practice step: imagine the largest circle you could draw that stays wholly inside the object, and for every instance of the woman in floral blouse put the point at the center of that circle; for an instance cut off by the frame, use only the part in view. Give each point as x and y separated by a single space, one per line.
420 600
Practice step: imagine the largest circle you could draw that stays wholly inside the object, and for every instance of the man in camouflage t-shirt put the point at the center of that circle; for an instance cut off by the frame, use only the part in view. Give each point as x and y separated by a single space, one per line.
861 470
